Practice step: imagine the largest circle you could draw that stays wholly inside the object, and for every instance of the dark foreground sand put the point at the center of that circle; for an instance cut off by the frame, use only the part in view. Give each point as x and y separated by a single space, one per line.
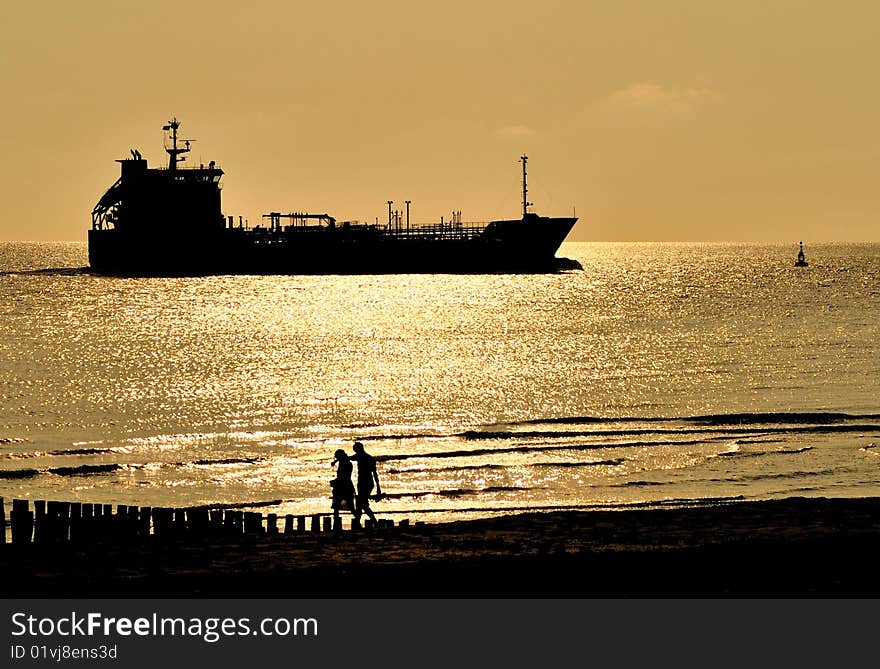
786 547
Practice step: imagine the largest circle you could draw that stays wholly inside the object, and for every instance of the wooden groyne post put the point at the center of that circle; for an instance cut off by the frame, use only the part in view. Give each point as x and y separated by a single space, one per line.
55 522
22 522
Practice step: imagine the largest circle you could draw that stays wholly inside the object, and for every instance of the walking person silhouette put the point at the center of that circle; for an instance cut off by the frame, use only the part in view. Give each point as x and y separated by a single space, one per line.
342 487
366 475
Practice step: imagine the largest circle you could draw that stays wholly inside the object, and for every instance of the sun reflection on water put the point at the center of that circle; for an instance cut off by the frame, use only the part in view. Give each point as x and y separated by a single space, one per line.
238 389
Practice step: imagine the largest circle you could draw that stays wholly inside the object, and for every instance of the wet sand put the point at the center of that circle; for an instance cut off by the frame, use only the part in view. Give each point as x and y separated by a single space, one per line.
794 547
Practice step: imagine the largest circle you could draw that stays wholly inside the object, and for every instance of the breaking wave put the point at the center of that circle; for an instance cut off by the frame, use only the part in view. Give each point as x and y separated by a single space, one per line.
529 448
83 451
107 468
746 454
225 461
790 418
490 466
801 428
640 484
18 473
455 492
48 271
775 475
84 470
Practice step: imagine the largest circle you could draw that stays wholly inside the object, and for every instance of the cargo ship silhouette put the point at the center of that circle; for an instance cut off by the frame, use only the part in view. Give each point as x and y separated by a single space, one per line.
169 221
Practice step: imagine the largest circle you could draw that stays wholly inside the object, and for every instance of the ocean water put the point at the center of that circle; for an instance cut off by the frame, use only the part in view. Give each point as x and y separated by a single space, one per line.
660 374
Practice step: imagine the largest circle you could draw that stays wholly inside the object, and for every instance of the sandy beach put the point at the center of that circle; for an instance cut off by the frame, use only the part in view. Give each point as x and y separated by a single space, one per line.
795 546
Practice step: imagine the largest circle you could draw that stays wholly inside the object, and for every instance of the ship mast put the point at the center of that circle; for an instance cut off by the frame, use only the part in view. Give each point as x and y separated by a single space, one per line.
174 151
526 204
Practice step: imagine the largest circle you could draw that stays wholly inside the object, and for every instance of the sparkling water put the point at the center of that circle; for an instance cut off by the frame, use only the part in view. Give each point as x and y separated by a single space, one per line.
660 374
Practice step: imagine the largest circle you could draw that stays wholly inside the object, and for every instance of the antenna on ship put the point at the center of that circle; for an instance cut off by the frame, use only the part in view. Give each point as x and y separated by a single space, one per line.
174 152
526 204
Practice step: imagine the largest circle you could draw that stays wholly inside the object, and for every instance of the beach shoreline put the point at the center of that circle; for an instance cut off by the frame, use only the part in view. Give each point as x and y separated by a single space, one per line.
789 547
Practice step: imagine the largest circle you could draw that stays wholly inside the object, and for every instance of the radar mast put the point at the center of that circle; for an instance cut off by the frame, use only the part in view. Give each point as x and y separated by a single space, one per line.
174 152
526 204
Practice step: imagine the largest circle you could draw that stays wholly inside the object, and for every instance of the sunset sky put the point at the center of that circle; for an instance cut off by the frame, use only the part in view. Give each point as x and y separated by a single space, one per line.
683 120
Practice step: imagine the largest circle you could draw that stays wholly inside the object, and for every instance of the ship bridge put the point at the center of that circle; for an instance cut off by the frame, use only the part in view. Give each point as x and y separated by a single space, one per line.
136 176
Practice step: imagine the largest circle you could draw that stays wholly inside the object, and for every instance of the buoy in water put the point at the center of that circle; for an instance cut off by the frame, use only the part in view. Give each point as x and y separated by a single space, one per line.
801 259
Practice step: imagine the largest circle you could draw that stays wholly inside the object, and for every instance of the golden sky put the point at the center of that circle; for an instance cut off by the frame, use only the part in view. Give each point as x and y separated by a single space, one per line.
673 120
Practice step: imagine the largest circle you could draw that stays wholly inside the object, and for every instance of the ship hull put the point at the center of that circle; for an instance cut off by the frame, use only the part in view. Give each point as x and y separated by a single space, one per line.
515 246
